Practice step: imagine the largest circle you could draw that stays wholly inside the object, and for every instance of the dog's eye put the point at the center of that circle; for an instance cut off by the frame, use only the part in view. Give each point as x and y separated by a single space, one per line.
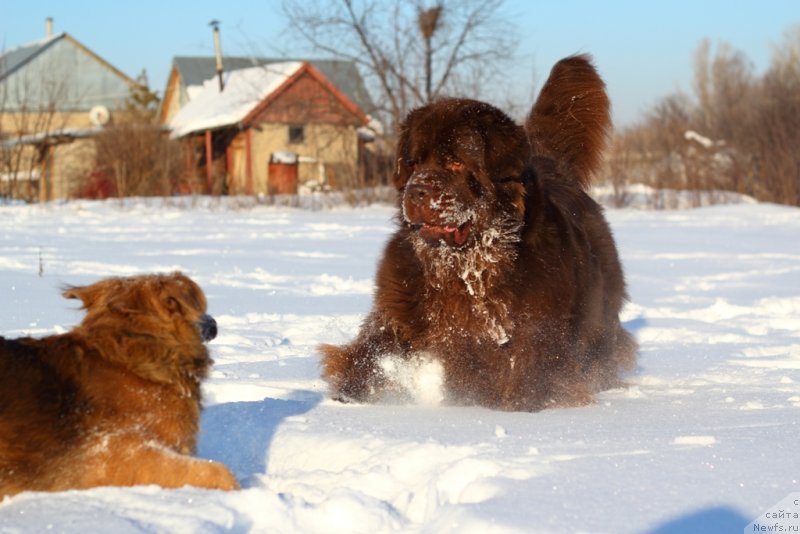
454 165
508 179
474 185
173 304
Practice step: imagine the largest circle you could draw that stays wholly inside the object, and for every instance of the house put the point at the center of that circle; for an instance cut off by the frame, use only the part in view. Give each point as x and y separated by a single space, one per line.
55 94
274 125
189 73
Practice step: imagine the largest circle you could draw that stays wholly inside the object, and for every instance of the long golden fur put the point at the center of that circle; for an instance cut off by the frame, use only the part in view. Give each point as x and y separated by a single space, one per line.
114 402
502 268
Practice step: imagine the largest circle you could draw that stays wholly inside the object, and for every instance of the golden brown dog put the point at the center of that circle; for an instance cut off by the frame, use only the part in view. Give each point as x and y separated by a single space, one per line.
114 402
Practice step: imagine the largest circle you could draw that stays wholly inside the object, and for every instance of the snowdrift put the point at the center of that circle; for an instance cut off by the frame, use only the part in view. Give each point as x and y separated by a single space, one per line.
704 439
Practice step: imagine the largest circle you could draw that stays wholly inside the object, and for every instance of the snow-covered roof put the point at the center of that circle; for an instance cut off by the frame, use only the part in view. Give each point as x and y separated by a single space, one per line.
244 90
194 70
63 133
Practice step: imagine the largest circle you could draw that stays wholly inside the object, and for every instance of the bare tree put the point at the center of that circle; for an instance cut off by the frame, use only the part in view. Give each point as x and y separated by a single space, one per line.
776 131
135 157
408 52
429 21
741 133
724 87
29 104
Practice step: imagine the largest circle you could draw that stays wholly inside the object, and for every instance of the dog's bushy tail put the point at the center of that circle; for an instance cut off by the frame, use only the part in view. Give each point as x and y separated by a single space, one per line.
571 120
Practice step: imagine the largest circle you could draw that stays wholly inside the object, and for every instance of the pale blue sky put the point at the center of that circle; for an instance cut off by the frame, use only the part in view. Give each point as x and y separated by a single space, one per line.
643 49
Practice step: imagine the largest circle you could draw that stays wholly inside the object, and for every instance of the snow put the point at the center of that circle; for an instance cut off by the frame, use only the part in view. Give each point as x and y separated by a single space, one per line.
642 196
704 439
244 90
691 135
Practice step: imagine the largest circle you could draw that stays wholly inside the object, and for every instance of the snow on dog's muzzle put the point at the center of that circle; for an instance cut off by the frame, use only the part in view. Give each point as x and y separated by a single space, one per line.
435 214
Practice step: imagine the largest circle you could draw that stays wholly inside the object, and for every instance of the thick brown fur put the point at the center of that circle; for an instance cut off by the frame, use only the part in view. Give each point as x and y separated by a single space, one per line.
114 402
503 269
570 121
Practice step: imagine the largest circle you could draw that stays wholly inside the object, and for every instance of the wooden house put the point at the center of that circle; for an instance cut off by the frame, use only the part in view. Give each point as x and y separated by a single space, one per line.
55 94
273 127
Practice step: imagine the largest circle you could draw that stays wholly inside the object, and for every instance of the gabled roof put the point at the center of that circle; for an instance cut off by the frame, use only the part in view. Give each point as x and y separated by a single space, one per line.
195 70
15 58
244 89
247 92
60 74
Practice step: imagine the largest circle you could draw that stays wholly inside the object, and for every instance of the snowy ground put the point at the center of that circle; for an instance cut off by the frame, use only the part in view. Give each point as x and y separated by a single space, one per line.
705 439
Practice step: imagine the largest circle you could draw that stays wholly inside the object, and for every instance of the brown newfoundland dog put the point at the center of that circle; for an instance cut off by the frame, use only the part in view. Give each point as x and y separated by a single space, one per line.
116 401
503 270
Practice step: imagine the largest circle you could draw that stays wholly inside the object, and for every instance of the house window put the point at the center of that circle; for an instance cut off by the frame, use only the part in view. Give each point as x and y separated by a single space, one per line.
296 134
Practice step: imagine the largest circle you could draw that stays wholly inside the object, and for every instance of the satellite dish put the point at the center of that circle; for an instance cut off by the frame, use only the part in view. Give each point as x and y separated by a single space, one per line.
99 115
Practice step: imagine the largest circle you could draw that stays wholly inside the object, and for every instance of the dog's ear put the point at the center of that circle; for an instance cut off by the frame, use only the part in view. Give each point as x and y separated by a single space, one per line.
505 145
91 295
182 292
402 167
571 119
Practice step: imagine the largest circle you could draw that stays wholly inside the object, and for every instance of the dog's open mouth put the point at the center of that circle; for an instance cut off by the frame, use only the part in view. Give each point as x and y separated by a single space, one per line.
451 234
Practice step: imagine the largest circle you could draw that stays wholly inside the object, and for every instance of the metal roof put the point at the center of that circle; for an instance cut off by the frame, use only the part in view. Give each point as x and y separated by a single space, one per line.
60 73
13 59
344 75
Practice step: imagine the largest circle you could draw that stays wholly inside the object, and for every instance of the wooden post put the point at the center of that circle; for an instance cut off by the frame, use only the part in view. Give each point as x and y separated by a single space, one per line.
248 150
209 162
230 179
188 161
46 173
43 176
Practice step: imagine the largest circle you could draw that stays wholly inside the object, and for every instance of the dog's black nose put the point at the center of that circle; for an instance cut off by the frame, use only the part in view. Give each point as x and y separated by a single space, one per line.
421 192
208 327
